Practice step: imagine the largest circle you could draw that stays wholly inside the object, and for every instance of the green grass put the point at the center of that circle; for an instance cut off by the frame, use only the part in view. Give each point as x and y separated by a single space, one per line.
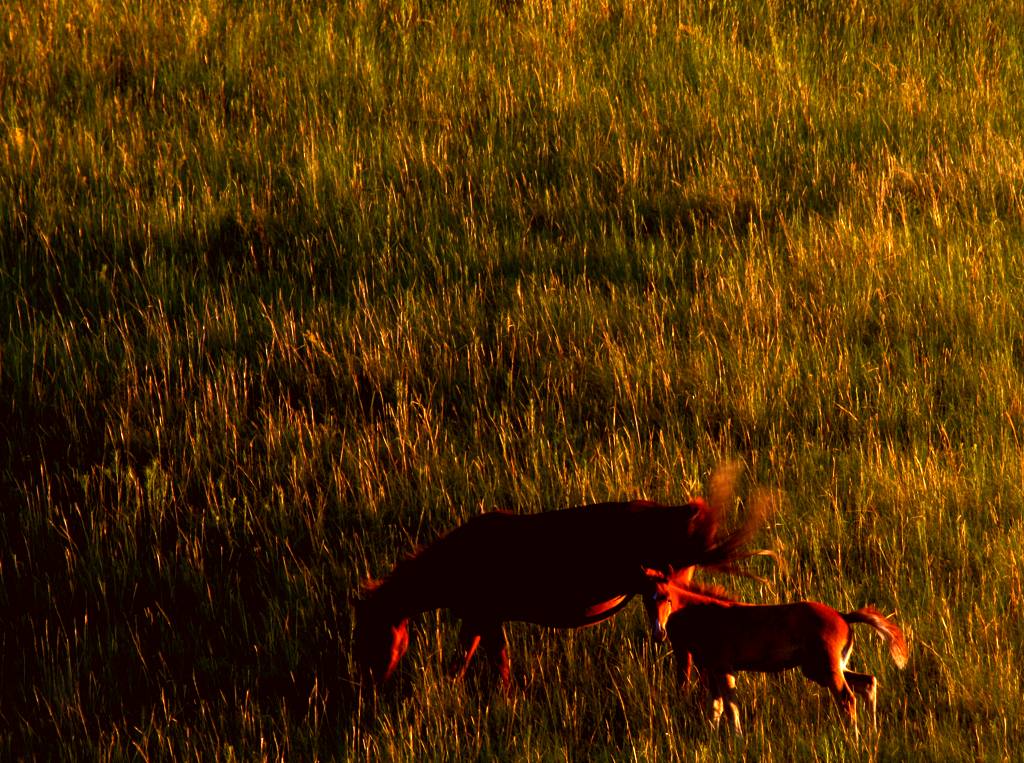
287 289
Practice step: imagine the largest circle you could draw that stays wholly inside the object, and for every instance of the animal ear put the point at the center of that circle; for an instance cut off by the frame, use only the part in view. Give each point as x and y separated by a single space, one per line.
693 509
699 514
683 575
359 598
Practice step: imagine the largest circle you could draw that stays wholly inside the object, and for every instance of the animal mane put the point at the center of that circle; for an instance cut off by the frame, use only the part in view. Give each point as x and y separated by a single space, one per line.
370 586
711 591
373 592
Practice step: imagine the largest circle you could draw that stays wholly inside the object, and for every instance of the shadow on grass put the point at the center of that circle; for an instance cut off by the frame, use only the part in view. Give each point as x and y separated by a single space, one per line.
110 630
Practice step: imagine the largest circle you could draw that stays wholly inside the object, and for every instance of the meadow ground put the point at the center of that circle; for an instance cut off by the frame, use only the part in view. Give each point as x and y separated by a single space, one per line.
288 288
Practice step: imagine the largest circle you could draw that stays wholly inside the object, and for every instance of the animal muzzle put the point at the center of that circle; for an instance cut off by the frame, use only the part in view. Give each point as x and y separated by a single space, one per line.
659 633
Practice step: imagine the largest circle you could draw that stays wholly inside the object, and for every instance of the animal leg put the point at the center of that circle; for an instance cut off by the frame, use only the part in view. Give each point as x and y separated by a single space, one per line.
470 638
844 698
717 707
710 687
496 649
732 707
866 685
723 698
684 665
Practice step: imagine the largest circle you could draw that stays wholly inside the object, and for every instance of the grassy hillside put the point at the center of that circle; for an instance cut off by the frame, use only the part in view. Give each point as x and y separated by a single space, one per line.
288 288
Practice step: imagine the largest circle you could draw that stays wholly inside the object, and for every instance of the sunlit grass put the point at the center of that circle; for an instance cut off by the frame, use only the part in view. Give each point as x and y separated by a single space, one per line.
287 289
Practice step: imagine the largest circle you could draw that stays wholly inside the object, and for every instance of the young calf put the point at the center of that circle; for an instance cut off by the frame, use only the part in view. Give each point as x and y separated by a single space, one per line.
722 637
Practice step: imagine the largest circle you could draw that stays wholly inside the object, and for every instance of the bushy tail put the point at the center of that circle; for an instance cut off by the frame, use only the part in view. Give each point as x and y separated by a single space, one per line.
889 630
729 548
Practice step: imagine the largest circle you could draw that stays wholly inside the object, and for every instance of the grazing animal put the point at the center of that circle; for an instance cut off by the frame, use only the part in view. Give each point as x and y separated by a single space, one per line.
565 569
722 637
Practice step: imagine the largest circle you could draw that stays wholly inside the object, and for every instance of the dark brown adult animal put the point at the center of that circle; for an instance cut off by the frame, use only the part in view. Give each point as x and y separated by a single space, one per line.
564 569
722 637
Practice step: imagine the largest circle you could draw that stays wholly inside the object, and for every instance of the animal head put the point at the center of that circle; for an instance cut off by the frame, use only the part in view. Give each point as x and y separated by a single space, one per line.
378 644
657 598
663 593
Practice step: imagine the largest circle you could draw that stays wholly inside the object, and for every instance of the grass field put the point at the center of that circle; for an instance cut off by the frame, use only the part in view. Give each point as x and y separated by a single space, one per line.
288 288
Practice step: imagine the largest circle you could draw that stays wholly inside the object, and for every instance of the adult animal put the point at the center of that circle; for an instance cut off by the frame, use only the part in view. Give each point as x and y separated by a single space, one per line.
567 568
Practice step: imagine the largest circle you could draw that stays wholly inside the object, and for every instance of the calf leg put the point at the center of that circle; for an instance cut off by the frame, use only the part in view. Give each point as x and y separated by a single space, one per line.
827 670
731 705
722 689
684 664
844 698
866 686
710 687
